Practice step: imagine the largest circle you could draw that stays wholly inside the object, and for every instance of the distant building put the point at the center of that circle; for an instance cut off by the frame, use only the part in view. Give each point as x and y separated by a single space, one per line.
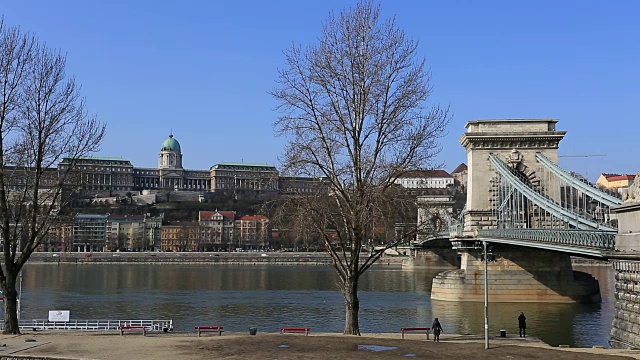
302 185
59 239
153 231
615 181
125 232
89 232
461 174
16 178
117 177
252 232
222 224
230 232
244 177
183 236
104 176
133 232
425 179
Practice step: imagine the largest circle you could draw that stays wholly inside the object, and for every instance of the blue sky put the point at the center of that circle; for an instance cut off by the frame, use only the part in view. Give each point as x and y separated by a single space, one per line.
203 69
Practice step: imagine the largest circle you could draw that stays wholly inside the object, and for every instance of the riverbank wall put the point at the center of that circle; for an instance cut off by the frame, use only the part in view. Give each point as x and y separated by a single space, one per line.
255 258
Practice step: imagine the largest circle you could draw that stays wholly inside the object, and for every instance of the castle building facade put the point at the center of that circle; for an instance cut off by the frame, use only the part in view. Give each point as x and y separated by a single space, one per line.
110 177
241 176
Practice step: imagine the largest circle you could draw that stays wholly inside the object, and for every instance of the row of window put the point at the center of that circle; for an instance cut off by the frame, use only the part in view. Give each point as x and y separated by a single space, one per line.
95 168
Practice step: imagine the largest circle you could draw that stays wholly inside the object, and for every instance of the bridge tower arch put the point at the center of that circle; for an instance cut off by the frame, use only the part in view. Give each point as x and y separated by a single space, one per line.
516 142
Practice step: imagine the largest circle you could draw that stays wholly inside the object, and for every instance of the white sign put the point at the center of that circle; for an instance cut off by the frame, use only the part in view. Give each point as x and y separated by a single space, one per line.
59 315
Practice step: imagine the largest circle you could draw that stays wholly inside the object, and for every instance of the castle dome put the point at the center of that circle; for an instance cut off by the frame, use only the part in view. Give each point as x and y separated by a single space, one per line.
171 144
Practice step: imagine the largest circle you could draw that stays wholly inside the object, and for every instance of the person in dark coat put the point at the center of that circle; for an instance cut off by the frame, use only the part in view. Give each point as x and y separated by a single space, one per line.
522 324
437 329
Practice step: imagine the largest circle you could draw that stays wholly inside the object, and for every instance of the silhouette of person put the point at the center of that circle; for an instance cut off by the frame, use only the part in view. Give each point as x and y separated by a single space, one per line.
522 324
437 329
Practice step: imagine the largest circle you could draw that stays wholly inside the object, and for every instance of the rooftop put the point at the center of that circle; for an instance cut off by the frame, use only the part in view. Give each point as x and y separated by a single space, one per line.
462 167
242 164
207 215
171 144
97 158
425 174
616 177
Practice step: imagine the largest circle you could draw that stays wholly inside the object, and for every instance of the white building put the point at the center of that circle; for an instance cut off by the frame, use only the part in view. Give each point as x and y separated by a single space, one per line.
425 179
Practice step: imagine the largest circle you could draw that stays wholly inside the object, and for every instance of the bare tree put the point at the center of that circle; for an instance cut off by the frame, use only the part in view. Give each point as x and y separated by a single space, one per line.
42 120
353 108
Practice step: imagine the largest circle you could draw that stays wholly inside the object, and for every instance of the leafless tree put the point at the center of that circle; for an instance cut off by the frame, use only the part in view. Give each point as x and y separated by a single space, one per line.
42 120
354 111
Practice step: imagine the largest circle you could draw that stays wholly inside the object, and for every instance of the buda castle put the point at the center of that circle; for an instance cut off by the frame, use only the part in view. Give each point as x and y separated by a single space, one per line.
108 176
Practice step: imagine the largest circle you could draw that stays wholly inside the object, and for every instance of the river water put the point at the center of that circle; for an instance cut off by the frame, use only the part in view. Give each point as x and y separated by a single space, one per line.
270 296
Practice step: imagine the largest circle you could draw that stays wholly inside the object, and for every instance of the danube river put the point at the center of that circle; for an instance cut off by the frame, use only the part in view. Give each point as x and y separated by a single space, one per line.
272 296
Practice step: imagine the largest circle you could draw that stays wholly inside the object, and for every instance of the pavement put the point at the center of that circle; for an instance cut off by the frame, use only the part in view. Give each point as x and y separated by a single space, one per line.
112 346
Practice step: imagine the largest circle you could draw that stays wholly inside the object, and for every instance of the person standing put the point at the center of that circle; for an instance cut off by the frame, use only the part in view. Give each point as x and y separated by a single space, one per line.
522 324
437 329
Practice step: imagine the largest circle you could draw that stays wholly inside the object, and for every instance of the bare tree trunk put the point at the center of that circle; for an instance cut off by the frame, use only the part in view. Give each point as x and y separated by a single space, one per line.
352 307
10 306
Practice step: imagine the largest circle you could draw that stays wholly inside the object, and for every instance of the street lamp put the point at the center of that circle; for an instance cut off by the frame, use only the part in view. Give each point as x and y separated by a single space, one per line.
486 298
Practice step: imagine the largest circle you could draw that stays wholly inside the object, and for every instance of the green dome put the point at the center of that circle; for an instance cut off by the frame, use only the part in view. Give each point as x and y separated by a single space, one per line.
171 144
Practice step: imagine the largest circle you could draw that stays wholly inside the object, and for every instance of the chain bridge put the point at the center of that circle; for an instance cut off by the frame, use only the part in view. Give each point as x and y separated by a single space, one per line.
534 216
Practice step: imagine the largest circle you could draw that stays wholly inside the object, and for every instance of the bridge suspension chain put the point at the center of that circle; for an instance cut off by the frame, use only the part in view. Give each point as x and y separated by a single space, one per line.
529 204
593 192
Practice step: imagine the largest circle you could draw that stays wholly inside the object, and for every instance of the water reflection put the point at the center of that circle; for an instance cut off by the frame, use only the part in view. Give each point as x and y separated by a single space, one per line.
270 297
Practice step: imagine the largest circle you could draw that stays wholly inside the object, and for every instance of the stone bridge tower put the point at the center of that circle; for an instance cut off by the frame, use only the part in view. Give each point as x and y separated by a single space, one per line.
515 141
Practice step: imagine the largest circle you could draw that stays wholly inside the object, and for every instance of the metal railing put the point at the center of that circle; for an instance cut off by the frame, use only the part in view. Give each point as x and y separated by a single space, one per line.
93 325
604 240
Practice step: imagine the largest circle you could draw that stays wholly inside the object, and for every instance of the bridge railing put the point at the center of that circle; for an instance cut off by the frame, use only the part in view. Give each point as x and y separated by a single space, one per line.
604 240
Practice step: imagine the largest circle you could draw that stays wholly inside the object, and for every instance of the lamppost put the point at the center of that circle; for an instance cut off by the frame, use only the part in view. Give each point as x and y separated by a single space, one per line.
486 298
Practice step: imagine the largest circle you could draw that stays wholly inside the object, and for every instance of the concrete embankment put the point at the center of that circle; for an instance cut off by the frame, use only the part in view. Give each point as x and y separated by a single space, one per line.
253 258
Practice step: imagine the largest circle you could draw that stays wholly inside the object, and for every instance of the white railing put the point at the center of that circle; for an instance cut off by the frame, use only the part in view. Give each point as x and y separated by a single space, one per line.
93 325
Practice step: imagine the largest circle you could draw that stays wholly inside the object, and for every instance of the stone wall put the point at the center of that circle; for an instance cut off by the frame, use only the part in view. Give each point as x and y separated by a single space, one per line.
438 253
625 331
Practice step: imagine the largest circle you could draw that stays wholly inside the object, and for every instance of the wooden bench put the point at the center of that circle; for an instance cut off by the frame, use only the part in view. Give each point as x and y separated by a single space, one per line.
130 328
201 329
304 331
415 329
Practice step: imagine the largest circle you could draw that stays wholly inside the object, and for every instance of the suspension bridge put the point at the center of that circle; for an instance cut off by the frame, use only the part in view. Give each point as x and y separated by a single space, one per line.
535 215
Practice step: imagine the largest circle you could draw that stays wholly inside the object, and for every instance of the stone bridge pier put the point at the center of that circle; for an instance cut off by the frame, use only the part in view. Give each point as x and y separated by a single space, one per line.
516 274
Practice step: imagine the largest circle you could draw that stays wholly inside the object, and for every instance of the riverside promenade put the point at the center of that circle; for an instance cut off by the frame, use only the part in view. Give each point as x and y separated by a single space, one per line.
111 346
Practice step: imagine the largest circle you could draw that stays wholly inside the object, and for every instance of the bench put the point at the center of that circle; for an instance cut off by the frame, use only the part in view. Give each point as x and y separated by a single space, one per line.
304 331
130 328
415 329
201 329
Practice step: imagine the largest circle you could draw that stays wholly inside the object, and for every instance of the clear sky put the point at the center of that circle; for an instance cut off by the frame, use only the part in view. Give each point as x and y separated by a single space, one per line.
203 69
